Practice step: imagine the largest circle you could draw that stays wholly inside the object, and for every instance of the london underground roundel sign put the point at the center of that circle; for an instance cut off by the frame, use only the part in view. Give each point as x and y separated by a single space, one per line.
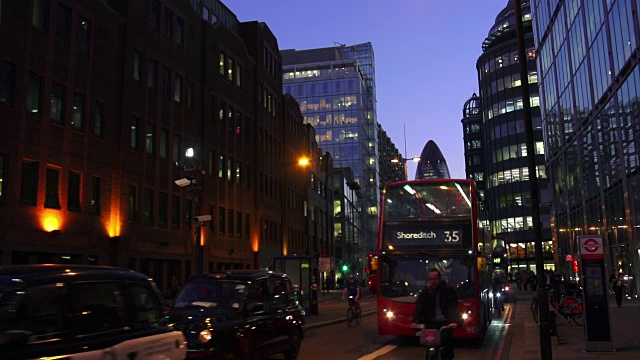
591 247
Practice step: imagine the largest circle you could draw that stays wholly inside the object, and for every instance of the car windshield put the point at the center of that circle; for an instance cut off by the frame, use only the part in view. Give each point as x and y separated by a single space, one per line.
402 277
218 294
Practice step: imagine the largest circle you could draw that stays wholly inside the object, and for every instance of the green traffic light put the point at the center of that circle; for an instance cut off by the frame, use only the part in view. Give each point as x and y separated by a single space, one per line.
345 267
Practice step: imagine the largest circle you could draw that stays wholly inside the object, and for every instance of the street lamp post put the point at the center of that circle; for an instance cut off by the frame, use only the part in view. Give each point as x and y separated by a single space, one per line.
404 163
195 185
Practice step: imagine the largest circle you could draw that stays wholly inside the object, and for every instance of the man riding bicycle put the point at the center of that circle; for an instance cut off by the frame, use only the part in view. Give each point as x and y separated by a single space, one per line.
437 306
352 292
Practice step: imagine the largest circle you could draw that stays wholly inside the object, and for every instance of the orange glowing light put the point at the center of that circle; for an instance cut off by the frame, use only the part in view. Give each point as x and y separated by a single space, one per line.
255 243
113 224
51 220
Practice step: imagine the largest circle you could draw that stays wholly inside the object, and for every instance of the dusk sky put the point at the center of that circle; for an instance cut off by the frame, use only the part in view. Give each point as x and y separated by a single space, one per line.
425 57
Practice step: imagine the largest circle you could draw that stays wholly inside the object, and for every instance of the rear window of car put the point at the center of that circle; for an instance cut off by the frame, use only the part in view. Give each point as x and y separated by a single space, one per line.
211 293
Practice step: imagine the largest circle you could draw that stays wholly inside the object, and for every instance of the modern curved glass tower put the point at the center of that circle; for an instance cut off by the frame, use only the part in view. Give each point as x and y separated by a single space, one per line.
473 141
507 193
432 164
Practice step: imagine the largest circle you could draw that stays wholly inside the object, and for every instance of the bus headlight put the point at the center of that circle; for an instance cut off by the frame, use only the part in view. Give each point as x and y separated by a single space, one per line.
390 314
205 335
465 316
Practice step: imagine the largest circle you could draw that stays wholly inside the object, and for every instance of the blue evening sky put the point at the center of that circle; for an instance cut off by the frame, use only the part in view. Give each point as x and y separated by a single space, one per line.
425 53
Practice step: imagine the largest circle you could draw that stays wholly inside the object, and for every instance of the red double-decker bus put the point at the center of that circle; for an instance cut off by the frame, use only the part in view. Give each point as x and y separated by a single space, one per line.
433 223
372 272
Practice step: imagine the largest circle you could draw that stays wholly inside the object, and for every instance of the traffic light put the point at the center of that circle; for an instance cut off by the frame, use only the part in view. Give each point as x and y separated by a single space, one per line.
345 268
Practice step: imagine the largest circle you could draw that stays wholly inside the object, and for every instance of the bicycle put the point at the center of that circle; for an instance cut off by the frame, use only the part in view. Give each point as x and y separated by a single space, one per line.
431 339
498 302
354 312
569 307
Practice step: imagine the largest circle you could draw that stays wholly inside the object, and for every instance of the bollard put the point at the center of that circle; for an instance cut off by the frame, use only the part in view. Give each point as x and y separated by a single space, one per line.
553 328
314 299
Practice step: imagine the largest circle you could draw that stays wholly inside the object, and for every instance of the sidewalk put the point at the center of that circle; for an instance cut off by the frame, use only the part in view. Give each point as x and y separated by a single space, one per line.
332 308
571 342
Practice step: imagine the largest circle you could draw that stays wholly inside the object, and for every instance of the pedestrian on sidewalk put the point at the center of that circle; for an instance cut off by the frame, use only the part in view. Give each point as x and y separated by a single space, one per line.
616 280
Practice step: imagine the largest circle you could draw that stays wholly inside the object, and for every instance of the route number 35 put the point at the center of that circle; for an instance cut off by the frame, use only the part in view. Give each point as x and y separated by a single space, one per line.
451 236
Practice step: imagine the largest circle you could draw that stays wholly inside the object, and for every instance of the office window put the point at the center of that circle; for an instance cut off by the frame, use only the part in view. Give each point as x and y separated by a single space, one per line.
238 172
164 143
168 23
177 90
7 82
77 112
133 138
154 14
163 204
73 198
239 224
84 35
57 103
166 81
247 225
149 141
211 227
238 75
133 202
180 31
230 66
223 61
152 79
205 13
175 211
175 157
221 222
221 167
95 196
63 23
229 169
52 191
137 56
148 207
34 94
230 221
98 117
29 183
40 14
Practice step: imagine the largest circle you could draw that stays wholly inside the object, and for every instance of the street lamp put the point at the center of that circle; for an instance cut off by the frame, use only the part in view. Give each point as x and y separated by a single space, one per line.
402 160
195 185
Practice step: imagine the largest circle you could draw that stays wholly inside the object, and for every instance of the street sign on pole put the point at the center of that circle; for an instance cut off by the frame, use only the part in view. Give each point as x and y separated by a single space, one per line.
594 294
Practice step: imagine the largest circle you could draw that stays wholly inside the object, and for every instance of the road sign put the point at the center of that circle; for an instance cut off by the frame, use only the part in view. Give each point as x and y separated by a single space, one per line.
324 263
591 247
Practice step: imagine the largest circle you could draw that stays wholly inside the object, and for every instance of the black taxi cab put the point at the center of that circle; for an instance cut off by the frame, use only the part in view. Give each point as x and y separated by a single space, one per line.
247 314
83 312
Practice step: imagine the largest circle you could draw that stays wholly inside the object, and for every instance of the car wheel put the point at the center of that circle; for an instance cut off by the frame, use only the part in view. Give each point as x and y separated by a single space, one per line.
295 340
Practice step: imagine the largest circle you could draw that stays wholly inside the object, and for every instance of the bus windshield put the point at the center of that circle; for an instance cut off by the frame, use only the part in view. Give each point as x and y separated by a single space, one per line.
402 277
423 200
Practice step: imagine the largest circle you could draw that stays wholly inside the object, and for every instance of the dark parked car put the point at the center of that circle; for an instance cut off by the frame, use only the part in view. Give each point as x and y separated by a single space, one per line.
239 315
83 312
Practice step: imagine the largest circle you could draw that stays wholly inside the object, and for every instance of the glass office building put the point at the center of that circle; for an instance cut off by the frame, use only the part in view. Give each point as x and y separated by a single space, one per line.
336 90
589 82
432 164
506 174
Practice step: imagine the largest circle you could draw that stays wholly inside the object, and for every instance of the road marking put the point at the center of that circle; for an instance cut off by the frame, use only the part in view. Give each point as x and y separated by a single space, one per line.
379 352
496 353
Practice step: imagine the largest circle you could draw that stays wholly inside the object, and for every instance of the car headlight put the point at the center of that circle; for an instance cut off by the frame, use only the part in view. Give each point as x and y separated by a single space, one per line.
205 335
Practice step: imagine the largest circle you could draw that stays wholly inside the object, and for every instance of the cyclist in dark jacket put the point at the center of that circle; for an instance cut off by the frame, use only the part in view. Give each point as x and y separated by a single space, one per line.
437 306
